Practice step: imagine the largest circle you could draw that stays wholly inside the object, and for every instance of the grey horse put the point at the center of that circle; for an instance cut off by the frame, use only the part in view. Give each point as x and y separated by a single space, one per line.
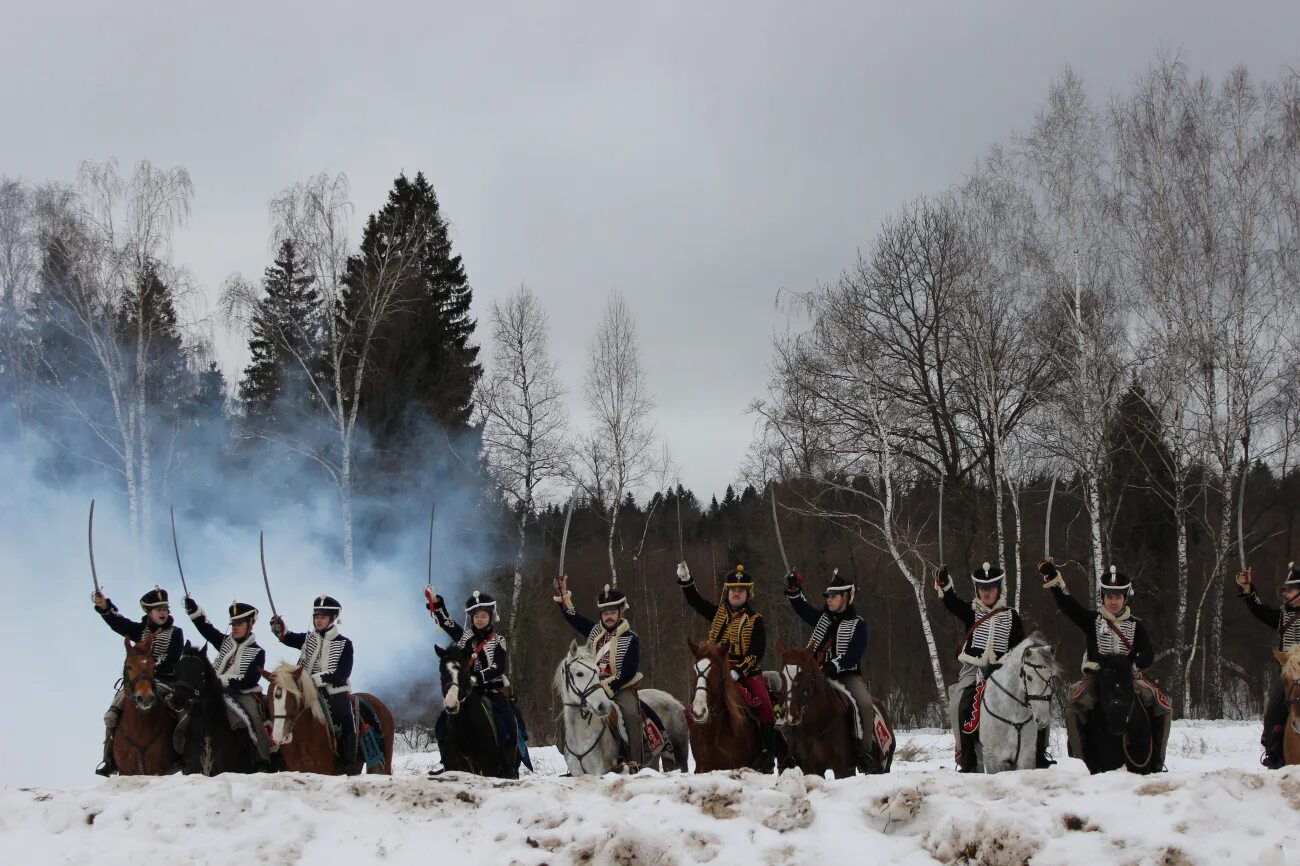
1017 702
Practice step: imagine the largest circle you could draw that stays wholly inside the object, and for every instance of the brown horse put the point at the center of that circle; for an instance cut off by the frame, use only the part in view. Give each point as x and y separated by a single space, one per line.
819 722
1291 694
142 742
304 734
723 736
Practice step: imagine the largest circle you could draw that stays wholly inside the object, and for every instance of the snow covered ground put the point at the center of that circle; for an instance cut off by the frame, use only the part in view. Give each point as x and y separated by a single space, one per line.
1214 806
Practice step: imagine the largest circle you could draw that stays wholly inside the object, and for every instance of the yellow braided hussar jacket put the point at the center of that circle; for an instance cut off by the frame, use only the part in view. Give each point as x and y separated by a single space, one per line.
736 630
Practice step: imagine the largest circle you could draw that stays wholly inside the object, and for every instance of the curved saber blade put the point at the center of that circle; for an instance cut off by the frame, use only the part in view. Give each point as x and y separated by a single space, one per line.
564 539
90 538
777 525
941 521
433 509
176 546
261 550
1047 529
1241 506
681 545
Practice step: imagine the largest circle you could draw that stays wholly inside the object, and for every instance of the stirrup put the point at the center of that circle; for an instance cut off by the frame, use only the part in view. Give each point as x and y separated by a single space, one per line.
867 765
104 769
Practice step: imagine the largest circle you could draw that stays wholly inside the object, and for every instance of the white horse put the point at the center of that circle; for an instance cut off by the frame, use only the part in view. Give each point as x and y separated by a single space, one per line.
590 743
1016 703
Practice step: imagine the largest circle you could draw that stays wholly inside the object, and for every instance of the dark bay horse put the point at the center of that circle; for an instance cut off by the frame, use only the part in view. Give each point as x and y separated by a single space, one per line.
142 743
1118 731
470 740
210 745
723 734
819 721
305 736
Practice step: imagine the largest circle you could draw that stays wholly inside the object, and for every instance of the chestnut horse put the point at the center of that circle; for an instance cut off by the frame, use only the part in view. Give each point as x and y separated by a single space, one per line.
1291 694
819 720
723 734
142 742
305 735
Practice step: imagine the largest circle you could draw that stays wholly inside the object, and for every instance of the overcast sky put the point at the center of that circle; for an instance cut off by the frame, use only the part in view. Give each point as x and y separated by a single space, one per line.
697 157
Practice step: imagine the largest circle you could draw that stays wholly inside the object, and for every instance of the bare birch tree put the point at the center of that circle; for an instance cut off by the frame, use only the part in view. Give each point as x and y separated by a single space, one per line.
618 453
525 420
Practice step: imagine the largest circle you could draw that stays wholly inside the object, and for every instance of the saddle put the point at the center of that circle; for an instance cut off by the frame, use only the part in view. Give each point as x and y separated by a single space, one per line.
652 728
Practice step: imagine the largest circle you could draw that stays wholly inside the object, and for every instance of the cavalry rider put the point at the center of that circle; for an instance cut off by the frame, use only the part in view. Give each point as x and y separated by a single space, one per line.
166 651
1111 630
618 654
1286 622
238 665
489 660
992 629
733 622
839 642
326 656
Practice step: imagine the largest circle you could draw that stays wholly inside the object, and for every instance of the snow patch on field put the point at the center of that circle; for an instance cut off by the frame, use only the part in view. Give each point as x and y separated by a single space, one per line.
1214 806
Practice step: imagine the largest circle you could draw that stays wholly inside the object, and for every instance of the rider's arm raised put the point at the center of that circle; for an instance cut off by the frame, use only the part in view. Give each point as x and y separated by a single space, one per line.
706 609
210 633
1077 613
806 611
957 606
580 623
444 620
1262 611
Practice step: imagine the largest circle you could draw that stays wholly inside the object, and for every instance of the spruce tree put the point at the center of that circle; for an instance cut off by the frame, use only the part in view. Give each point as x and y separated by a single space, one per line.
283 343
421 362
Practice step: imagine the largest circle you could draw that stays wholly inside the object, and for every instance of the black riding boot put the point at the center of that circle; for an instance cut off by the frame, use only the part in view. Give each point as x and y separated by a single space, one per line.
348 753
1272 742
867 761
1042 760
108 766
766 759
967 761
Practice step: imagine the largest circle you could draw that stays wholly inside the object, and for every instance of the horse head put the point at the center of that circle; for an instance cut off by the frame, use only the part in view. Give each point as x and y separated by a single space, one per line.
577 682
1116 694
801 676
1038 670
712 669
453 669
138 671
291 695
193 676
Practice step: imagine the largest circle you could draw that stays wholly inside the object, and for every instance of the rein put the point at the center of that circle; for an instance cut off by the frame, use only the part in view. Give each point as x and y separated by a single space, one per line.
1025 703
804 706
584 710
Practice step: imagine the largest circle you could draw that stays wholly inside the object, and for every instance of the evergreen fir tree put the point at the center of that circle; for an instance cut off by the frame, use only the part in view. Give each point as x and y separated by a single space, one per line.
284 339
421 361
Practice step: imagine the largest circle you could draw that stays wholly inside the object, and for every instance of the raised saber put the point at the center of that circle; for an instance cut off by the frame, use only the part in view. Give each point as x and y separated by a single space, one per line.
1047 529
90 539
176 546
777 525
564 537
1241 500
433 508
261 550
681 545
941 521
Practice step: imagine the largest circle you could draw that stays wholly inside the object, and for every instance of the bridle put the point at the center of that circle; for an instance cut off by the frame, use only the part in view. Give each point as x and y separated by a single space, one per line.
709 694
128 681
803 698
585 710
1025 703
289 721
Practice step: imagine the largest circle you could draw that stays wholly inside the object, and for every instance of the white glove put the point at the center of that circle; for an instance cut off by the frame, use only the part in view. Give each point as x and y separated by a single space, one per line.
224 679
735 675
683 573
473 680
319 680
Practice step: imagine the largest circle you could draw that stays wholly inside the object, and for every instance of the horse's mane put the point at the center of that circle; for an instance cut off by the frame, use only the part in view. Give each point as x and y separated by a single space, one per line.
1035 641
303 688
1291 667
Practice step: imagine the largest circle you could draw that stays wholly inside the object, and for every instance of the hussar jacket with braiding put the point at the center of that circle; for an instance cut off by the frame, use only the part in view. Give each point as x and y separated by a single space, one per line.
1285 621
840 639
168 640
999 628
742 631
239 662
617 652
489 658
1102 639
327 653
